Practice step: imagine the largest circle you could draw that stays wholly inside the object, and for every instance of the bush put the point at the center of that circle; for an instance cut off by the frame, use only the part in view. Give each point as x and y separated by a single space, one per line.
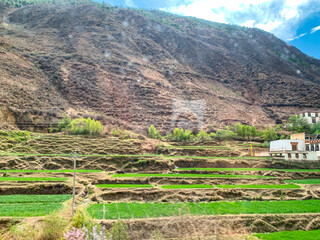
153 133
180 135
265 144
64 123
119 231
316 128
53 227
225 134
269 134
203 136
245 131
81 126
299 124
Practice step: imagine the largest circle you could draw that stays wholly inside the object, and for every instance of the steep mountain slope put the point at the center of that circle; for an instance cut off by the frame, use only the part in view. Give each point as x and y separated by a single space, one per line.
135 65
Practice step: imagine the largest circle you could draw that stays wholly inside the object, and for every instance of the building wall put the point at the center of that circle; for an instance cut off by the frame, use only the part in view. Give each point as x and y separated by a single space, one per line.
285 145
307 156
310 116
298 136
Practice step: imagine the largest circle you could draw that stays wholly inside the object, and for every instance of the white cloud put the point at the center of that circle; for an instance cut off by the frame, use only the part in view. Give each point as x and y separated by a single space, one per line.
297 37
249 23
129 3
313 30
278 17
269 26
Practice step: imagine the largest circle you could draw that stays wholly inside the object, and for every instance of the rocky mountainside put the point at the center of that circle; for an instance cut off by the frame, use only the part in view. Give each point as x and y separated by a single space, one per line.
135 67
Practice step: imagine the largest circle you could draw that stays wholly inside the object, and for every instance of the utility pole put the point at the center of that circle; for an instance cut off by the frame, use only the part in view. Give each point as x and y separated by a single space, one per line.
74 182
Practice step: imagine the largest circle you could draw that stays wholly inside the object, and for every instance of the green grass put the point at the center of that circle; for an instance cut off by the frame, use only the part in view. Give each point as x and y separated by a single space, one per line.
254 186
198 147
153 210
105 155
124 186
246 169
185 186
48 171
28 210
186 175
5 199
290 235
30 205
32 179
304 181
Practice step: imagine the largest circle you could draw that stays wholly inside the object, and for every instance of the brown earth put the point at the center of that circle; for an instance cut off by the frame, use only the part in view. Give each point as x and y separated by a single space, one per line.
128 67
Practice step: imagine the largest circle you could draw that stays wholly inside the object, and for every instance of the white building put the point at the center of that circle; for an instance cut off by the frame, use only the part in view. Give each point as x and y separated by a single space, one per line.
312 116
299 147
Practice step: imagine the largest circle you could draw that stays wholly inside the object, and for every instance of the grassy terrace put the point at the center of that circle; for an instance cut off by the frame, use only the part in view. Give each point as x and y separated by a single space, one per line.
30 205
186 175
191 186
286 235
105 155
246 169
124 186
154 210
48 171
32 179
304 181
262 186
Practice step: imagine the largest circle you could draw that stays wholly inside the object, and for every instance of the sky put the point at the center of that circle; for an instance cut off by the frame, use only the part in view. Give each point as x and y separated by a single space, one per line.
294 21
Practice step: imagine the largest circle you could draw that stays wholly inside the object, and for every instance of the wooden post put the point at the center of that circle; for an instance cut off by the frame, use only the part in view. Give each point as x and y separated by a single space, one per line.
74 182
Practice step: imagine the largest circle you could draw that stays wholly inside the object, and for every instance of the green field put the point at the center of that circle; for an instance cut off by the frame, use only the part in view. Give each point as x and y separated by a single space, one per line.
32 179
153 210
48 171
288 235
186 186
186 175
254 186
5 199
30 205
124 186
246 169
304 181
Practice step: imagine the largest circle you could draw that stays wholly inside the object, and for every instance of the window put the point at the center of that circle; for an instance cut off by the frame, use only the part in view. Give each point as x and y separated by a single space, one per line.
313 120
312 147
307 147
294 146
317 114
297 155
317 147
304 156
289 155
309 114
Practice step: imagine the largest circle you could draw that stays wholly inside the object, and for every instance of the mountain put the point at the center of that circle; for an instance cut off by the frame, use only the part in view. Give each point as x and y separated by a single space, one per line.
133 67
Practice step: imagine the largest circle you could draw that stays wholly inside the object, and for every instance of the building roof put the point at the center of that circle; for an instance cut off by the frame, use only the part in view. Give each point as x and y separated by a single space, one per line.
308 111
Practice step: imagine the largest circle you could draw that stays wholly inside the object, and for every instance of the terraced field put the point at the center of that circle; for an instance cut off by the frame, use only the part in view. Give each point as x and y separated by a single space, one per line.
213 188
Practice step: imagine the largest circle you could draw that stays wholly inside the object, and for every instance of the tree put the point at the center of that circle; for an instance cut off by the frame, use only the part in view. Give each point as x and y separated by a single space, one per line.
64 123
269 134
245 131
153 133
203 136
225 134
316 128
82 126
299 124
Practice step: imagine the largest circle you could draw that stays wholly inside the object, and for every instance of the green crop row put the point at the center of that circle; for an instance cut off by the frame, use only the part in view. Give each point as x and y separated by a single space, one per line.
48 171
246 169
186 186
286 235
6 199
124 186
186 175
258 186
32 179
153 210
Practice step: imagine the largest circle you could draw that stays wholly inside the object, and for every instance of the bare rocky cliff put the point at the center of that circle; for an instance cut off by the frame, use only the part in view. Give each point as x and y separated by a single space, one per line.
135 67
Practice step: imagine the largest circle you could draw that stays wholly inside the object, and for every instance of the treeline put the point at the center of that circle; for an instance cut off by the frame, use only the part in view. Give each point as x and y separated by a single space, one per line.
21 3
238 131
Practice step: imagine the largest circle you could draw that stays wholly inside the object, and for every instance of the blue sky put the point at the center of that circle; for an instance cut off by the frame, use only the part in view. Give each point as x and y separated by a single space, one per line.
294 21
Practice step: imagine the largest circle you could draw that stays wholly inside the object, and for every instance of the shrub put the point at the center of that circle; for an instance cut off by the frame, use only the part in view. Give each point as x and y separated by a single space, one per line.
53 227
245 131
203 136
299 124
64 123
120 133
119 231
269 134
81 126
180 135
316 128
225 134
153 133
265 144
